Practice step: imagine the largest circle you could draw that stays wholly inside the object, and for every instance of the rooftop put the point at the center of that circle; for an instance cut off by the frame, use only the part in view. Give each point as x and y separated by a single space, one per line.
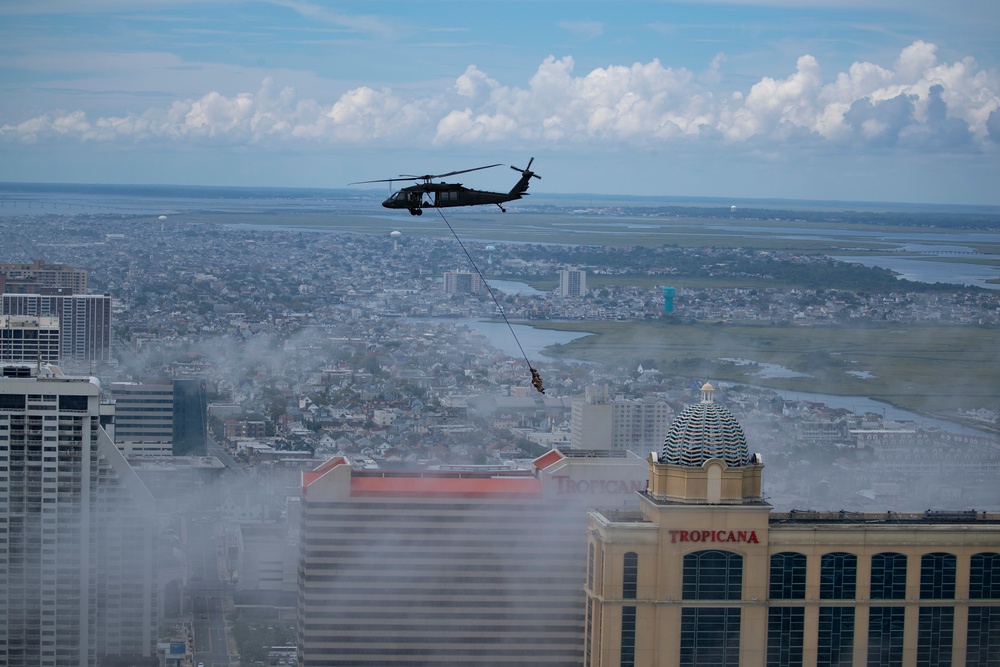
843 517
813 517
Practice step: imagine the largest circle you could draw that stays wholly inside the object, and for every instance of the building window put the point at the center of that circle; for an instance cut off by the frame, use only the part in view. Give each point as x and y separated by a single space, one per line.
590 567
885 636
73 403
937 576
835 644
710 637
785 630
788 576
630 575
934 636
589 637
984 577
713 575
628 637
838 576
888 577
983 637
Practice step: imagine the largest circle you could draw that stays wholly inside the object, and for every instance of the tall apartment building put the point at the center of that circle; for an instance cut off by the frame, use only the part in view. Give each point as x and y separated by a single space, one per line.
451 566
462 282
84 320
705 573
29 339
77 557
160 416
29 278
600 422
572 282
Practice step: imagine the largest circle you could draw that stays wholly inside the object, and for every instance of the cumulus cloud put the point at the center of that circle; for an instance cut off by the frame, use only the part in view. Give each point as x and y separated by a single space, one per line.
917 102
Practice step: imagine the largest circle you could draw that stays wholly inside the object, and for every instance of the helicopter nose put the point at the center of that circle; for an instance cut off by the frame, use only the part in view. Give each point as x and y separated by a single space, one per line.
386 203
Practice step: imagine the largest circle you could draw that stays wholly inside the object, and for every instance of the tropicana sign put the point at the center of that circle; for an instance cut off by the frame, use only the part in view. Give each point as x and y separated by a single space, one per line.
747 536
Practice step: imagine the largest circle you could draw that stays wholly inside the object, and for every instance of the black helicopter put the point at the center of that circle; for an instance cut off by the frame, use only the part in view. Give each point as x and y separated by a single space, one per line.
427 194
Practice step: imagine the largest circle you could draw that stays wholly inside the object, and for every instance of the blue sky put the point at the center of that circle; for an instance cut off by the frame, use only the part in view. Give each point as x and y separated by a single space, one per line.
871 100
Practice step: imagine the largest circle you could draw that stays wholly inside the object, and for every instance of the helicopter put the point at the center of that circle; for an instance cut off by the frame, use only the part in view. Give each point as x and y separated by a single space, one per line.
428 194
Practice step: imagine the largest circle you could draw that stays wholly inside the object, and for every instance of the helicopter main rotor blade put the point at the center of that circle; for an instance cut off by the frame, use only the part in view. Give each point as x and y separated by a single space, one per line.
427 177
386 180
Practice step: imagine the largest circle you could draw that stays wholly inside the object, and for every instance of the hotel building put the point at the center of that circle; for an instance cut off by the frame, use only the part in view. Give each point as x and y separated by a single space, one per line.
705 573
77 558
479 565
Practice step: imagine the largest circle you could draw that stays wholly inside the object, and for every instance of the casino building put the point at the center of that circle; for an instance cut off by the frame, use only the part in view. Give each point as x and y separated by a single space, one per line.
452 565
705 573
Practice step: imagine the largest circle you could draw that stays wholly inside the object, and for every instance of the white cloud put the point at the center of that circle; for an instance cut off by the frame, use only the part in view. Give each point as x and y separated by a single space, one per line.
919 102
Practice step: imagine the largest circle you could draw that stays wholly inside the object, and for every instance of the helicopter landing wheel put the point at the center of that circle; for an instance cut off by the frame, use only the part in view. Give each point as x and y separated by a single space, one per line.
420 211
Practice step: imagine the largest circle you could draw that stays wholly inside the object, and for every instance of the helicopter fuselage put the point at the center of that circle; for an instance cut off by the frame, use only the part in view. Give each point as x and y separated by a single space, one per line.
444 195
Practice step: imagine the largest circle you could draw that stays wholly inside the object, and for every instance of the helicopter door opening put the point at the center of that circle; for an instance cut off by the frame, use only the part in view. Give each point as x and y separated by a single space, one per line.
446 198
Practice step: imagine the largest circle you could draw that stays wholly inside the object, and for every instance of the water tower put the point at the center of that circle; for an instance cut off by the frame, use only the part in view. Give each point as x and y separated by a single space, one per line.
668 299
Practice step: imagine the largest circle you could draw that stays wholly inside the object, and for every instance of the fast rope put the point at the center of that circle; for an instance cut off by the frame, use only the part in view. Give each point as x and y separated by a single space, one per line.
536 379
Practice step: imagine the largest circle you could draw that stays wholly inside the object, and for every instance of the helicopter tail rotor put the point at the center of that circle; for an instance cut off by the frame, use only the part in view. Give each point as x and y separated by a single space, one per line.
526 172
526 175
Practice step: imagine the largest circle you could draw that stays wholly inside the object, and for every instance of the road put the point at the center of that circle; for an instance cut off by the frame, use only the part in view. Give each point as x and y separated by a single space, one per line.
209 595
210 643
232 465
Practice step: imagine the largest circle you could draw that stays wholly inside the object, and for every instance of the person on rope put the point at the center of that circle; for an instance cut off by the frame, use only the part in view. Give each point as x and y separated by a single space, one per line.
536 380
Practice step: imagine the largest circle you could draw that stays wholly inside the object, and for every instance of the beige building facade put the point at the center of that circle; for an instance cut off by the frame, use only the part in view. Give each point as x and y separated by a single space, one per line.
705 573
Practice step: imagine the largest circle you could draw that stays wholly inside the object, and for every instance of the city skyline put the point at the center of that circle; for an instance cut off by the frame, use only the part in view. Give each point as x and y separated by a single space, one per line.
885 101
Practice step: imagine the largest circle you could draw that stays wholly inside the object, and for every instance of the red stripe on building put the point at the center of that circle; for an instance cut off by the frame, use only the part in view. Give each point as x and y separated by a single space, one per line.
445 487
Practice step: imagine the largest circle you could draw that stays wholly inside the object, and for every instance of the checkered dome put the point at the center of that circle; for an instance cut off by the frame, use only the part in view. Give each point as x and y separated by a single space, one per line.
705 431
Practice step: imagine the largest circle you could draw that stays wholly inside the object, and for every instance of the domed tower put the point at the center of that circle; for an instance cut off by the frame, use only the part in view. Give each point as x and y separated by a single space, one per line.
705 459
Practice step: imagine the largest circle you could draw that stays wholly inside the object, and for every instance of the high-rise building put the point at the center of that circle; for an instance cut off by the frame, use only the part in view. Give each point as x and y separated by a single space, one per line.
29 278
190 433
705 573
77 557
600 422
144 415
462 282
84 320
29 339
161 416
451 566
572 282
